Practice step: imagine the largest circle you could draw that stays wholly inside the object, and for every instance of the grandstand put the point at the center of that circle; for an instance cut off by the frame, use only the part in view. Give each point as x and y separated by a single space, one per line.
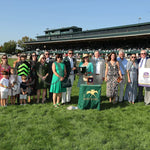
132 38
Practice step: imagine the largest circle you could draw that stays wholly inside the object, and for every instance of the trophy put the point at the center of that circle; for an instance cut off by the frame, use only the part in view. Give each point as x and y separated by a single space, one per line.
90 80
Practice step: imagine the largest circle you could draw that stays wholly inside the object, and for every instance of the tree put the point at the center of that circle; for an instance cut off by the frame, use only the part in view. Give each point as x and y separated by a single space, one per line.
9 47
1 48
22 41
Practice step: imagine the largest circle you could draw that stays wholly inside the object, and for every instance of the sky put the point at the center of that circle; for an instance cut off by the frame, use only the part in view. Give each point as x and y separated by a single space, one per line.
19 18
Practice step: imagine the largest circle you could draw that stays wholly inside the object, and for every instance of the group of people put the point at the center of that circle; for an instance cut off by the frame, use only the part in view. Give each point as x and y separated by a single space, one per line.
29 78
38 75
120 72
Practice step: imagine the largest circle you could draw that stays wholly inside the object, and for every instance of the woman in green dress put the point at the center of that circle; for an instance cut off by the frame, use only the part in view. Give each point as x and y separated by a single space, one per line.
89 68
59 73
42 73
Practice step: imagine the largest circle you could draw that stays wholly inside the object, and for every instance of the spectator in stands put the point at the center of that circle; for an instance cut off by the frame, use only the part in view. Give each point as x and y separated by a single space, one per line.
132 75
98 68
112 73
70 64
42 73
141 62
49 62
59 73
89 68
123 67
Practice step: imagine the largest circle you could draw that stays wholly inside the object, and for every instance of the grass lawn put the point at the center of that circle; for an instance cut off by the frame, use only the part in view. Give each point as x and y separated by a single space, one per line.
43 127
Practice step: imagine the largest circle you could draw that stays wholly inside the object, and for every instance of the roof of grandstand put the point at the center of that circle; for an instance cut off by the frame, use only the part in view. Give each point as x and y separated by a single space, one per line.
127 36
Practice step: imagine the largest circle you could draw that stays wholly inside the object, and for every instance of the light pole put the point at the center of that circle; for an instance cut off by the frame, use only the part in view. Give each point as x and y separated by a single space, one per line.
44 47
139 19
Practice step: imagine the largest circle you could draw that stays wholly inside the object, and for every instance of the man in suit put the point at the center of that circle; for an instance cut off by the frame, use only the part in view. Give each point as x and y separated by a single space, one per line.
98 68
70 64
50 74
141 61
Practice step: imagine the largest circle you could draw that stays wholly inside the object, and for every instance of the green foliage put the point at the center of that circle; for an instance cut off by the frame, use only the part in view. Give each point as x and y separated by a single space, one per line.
9 47
0 48
22 41
11 61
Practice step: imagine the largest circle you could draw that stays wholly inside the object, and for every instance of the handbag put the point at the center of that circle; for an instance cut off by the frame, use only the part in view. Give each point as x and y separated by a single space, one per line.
82 70
119 79
66 83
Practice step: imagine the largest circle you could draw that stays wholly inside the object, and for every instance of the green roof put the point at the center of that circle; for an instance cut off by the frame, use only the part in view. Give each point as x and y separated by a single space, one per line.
118 27
101 29
64 28
101 36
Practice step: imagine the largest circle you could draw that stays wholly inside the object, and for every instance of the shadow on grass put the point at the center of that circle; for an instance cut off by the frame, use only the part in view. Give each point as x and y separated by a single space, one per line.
74 99
105 104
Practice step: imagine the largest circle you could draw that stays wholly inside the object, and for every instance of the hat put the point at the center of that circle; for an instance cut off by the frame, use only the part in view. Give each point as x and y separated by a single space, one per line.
85 55
23 55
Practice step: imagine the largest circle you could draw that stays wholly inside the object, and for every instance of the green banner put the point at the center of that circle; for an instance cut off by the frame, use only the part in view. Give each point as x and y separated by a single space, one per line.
89 96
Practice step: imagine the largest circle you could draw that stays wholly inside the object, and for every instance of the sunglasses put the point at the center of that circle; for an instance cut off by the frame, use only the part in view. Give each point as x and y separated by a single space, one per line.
33 55
143 53
70 53
133 57
86 57
46 54
43 58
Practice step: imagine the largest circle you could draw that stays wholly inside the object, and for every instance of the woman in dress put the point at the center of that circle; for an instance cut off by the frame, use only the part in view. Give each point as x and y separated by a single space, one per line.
59 73
89 68
112 73
132 74
4 66
42 73
15 64
13 80
32 84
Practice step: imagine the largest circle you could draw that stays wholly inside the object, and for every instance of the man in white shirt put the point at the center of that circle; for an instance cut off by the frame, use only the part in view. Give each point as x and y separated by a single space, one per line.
141 62
98 68
70 64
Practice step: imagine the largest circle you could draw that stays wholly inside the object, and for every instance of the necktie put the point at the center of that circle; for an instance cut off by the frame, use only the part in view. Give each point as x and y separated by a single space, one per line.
96 61
141 63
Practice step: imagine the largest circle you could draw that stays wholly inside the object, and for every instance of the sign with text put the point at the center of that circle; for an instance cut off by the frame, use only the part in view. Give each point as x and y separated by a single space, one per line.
144 77
89 96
